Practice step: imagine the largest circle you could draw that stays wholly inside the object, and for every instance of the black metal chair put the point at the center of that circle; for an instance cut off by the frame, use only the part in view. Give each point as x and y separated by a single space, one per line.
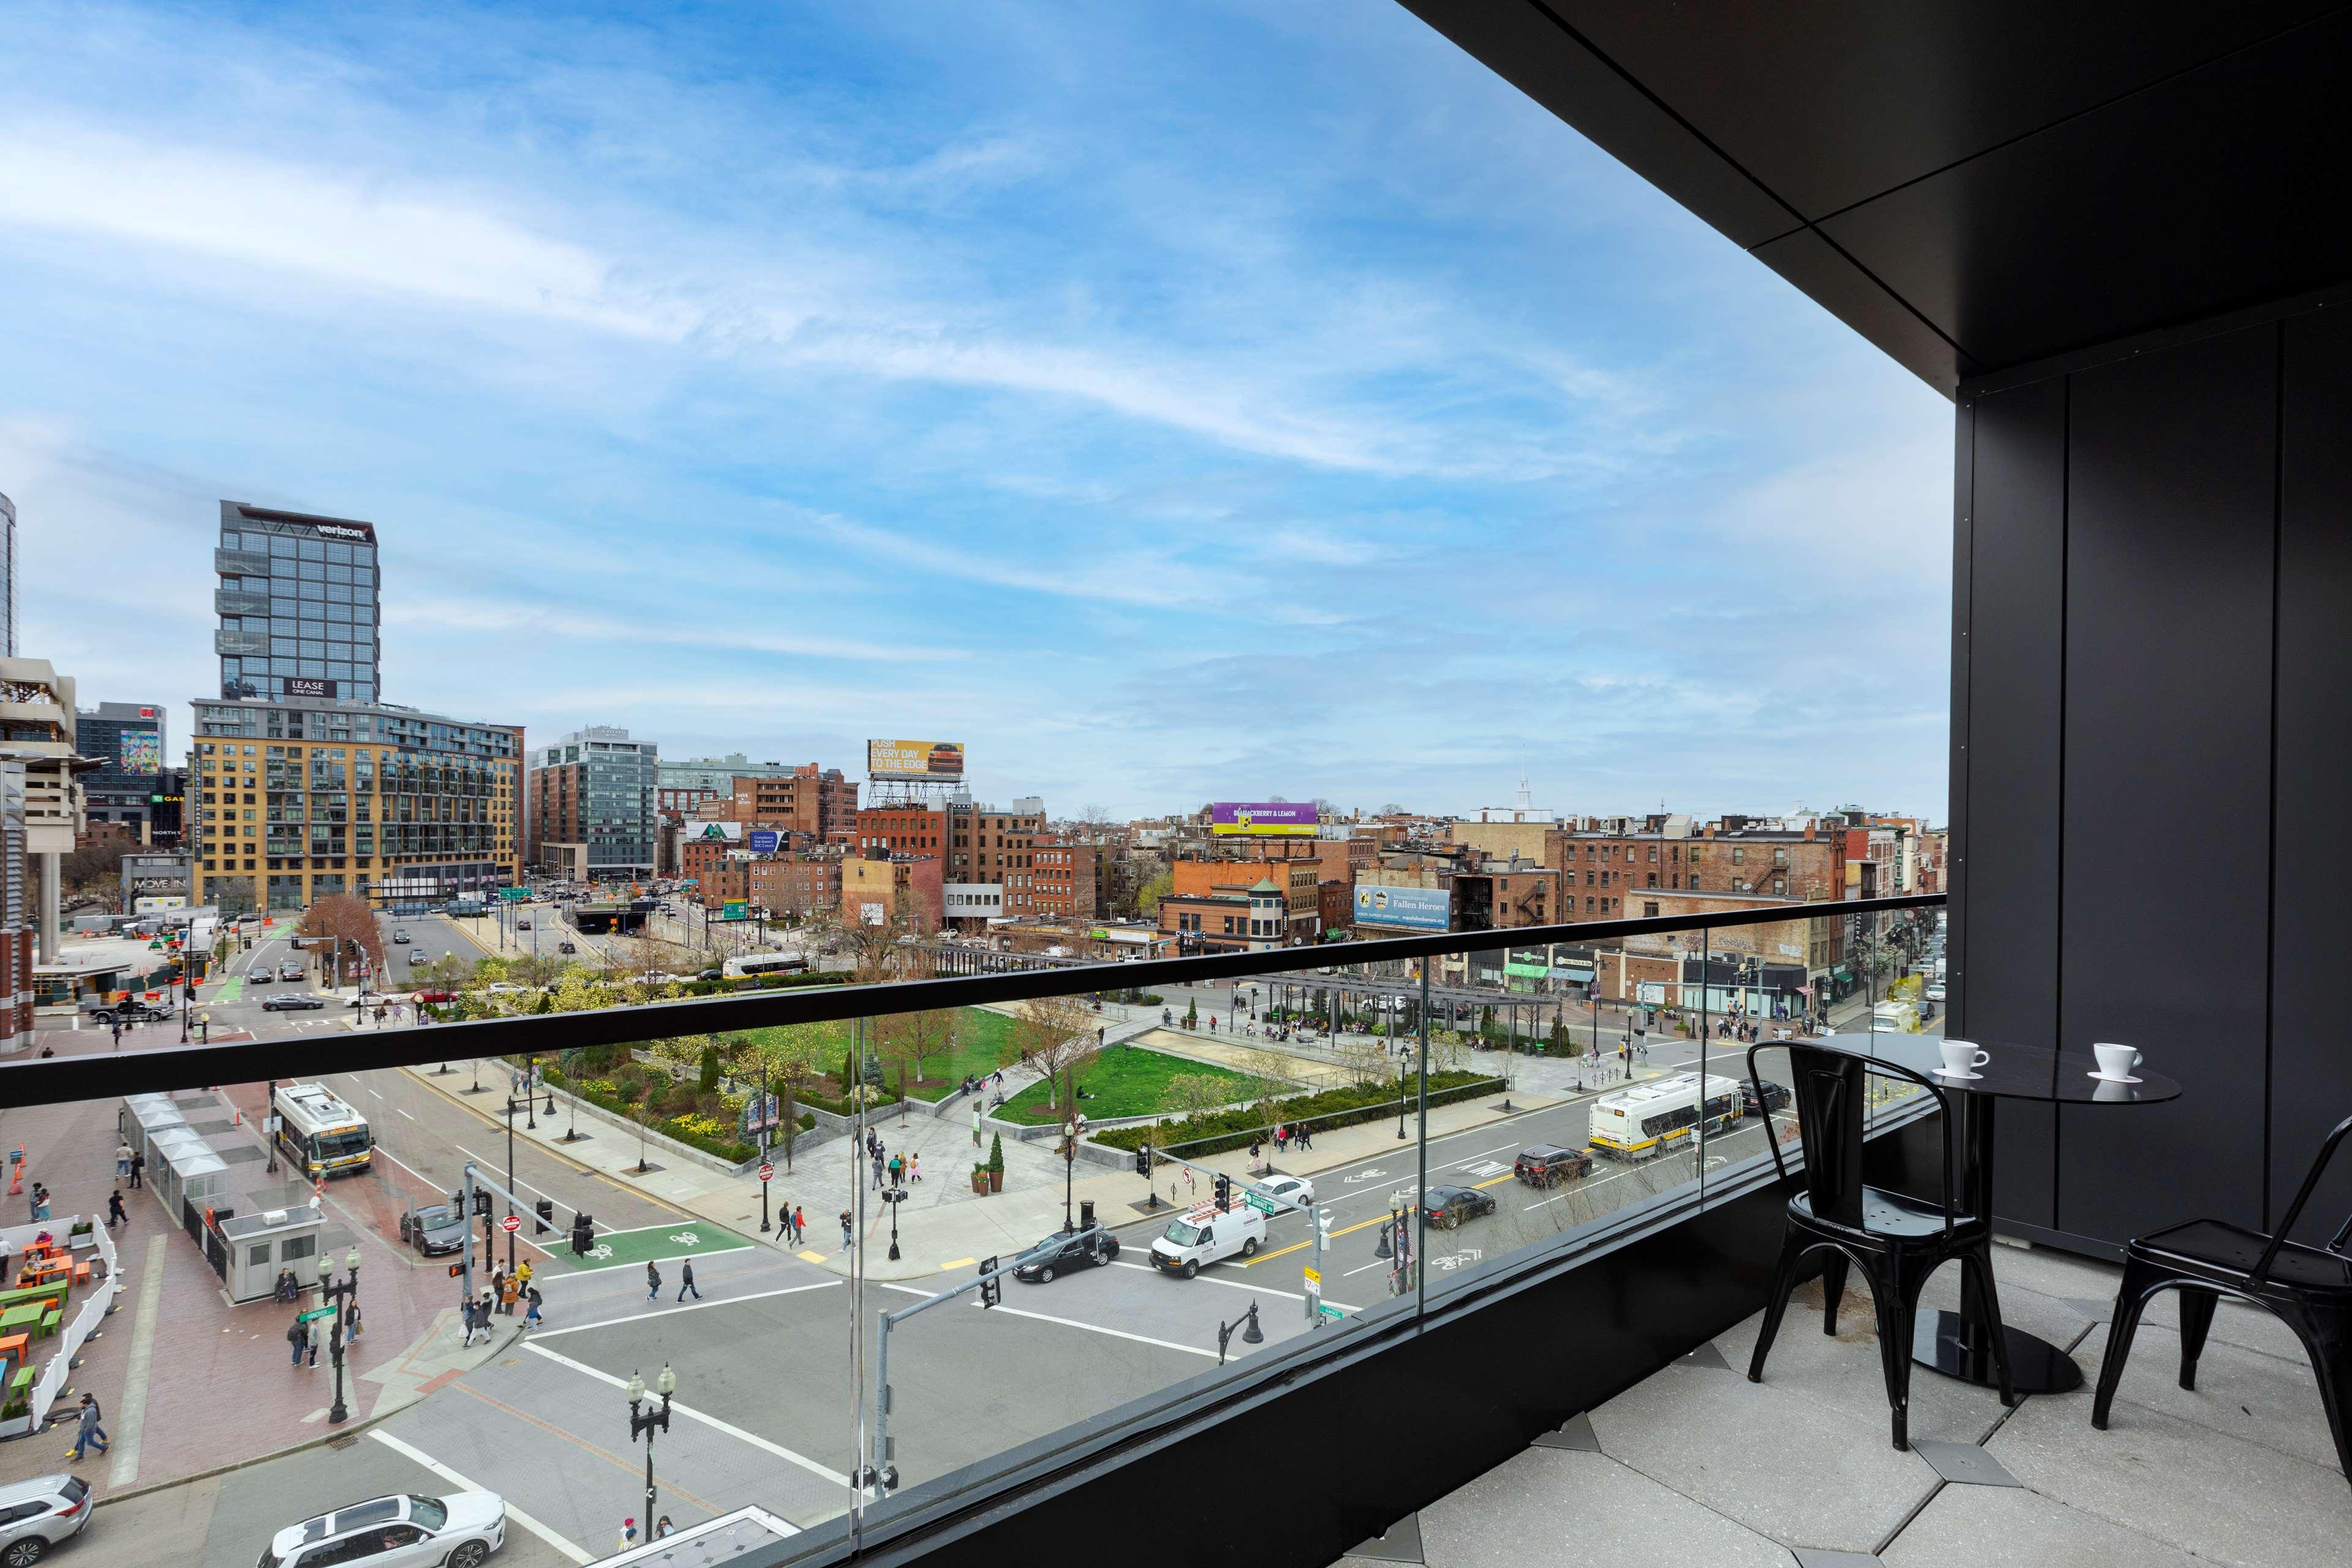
1897 1241
2309 1288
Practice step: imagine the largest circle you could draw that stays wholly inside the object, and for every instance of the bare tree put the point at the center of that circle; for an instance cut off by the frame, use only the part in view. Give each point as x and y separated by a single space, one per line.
1198 1093
1055 1035
339 921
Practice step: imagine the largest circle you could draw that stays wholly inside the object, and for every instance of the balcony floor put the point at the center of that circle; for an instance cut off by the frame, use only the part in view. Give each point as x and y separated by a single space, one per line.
1698 1465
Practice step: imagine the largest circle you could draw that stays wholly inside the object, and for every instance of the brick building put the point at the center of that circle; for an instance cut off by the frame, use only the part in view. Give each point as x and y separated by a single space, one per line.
879 881
1066 878
1297 879
817 802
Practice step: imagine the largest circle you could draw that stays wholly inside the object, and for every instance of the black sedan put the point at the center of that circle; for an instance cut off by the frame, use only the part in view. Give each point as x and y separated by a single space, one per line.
1776 1095
292 1003
1447 1207
437 1228
1059 1254
260 978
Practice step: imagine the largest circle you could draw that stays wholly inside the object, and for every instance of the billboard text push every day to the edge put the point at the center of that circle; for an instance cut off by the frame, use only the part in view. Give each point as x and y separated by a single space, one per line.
914 759
1263 819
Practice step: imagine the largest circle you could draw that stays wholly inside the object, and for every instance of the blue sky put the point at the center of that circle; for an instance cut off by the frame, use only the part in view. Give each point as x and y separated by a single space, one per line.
1172 402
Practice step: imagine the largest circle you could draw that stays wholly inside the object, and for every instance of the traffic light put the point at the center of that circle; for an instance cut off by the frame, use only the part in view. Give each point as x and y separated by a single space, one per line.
1224 1191
545 1210
992 1290
482 1202
1144 1161
583 1235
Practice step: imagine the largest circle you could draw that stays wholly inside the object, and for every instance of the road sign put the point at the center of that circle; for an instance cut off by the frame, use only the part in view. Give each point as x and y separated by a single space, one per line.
316 1312
1257 1201
1327 1309
1314 1277
767 1172
512 1223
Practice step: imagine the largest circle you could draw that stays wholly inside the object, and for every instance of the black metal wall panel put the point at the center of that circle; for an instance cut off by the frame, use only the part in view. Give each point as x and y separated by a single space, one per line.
2310 1048
2013 739
2171 489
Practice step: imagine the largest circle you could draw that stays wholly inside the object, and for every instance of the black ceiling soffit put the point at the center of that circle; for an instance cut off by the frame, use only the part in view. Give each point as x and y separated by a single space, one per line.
1970 186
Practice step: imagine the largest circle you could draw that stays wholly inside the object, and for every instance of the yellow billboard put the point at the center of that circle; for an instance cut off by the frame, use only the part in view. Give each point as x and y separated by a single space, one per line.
938 760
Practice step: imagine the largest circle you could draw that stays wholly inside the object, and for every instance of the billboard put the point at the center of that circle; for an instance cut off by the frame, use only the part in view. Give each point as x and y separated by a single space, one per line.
1405 908
140 752
763 840
305 686
937 759
1265 819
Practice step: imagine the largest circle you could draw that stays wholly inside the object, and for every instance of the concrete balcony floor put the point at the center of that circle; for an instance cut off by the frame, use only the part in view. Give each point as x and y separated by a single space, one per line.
1697 1465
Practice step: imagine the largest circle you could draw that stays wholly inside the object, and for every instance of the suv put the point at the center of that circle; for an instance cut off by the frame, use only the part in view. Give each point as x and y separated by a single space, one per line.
37 1514
460 1530
1548 1165
1776 1095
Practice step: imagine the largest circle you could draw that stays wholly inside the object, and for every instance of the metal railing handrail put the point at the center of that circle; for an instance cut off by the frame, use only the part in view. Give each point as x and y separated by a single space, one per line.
56 1080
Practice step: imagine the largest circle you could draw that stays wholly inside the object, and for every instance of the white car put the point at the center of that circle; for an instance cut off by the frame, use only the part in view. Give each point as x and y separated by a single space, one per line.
1289 1189
1935 991
461 1529
505 988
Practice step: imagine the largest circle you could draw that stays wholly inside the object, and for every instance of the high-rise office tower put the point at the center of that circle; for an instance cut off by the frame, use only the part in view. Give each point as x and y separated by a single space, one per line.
7 578
299 606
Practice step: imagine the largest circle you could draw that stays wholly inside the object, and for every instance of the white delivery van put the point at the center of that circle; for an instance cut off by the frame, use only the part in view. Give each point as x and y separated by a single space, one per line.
1206 1234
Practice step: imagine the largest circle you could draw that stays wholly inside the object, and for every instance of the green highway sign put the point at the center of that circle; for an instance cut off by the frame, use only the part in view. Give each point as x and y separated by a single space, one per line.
734 909
316 1312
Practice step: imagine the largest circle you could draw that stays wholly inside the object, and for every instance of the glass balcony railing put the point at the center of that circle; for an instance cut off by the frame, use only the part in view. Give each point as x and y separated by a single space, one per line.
871 1218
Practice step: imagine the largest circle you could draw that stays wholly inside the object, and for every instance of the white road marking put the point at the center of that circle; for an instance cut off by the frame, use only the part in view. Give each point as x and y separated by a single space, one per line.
691 1414
1480 1155
1236 1284
1375 1263
526 1186
1098 1328
404 1110
419 1455
538 1334
1586 1187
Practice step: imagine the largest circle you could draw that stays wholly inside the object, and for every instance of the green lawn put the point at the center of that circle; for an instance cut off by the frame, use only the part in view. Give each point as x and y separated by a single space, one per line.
1129 1080
981 1046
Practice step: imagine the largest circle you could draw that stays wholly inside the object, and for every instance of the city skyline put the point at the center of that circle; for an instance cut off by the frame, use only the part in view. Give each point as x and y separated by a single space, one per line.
917 378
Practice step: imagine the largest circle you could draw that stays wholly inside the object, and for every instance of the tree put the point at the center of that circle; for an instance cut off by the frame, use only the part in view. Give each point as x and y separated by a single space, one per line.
1055 1035
1198 1093
1364 1060
1268 1072
345 927
1156 888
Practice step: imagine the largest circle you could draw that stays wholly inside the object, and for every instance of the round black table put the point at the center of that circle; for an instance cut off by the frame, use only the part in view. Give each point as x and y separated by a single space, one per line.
1959 1344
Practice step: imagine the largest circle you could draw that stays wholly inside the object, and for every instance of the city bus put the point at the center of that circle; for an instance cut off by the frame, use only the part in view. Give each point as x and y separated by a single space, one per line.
757 963
321 1133
1643 1121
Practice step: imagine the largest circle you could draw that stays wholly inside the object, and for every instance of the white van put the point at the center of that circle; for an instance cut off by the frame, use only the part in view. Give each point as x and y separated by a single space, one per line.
1204 1234
1894 1018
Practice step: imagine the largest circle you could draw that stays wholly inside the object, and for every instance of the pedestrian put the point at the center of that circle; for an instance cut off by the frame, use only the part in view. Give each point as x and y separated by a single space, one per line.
628 1534
498 1281
530 1318
121 1160
507 1291
878 1171
40 1202
800 1223
663 1527
1281 1139
1254 1153
353 1326
89 1430
653 1282
844 1230
686 1281
138 1171
298 1334
118 1033
898 1170
1213 1022
114 1214
1301 1137
317 1333
914 1167
522 1275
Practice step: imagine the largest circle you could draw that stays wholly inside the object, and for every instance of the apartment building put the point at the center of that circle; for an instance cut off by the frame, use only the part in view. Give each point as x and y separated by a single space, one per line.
1066 881
295 799
591 804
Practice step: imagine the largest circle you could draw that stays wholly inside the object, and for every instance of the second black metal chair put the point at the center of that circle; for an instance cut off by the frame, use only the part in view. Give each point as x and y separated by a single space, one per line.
1895 1240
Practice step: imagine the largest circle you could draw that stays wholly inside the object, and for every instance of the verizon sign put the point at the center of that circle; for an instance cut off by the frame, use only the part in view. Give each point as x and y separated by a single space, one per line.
343 530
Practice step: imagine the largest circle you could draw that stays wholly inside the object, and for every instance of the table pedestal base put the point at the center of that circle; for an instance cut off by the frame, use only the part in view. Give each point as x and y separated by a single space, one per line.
1945 1342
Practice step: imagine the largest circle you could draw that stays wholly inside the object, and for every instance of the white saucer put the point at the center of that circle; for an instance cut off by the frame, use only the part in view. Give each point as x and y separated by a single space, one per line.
1946 1072
2103 1077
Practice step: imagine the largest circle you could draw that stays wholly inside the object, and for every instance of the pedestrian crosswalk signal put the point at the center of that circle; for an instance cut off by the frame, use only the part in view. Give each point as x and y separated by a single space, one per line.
457 1269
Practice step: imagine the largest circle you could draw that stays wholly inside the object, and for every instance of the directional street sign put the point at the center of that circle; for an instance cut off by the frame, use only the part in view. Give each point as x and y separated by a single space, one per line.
1257 1202
316 1312
512 1223
767 1172
1328 1310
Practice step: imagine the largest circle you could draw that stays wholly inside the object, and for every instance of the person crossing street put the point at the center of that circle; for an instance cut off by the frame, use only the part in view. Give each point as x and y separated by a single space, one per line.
686 1281
653 1283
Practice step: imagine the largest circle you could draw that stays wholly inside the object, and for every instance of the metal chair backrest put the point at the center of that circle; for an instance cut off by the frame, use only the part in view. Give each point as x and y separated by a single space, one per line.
2335 1242
1831 1100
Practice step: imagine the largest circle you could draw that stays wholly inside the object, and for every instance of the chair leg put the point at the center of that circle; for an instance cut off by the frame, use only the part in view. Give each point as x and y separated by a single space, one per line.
1784 1279
2139 1282
1833 1269
1891 1296
2196 1320
2327 1337
1976 1272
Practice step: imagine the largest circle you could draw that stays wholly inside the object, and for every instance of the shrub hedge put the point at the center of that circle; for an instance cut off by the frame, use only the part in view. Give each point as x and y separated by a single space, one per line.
1324 1109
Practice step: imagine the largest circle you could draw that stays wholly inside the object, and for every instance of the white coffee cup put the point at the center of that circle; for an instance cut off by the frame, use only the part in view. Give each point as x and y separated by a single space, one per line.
2115 1061
1961 1058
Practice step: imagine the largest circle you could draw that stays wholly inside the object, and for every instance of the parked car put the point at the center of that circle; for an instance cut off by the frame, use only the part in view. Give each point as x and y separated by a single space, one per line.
292 1003
1548 1165
1289 1189
37 1514
1059 1254
400 938
460 1530
435 1229
1776 1095
1447 1207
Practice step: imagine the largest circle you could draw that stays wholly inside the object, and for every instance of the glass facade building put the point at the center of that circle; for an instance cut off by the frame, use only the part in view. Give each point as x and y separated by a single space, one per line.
594 791
300 604
7 578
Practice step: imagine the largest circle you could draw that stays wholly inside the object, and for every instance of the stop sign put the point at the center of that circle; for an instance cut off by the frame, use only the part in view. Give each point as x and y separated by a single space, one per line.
512 1223
767 1172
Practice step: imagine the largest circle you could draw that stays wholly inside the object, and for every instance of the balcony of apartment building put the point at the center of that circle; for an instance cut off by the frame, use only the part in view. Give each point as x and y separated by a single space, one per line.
1519 1312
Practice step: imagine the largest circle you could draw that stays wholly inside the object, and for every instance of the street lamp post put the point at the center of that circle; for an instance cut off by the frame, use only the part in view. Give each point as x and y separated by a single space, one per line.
1069 1169
334 1294
763 1156
511 1109
530 1086
270 1128
642 1422
1400 1097
1248 1324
